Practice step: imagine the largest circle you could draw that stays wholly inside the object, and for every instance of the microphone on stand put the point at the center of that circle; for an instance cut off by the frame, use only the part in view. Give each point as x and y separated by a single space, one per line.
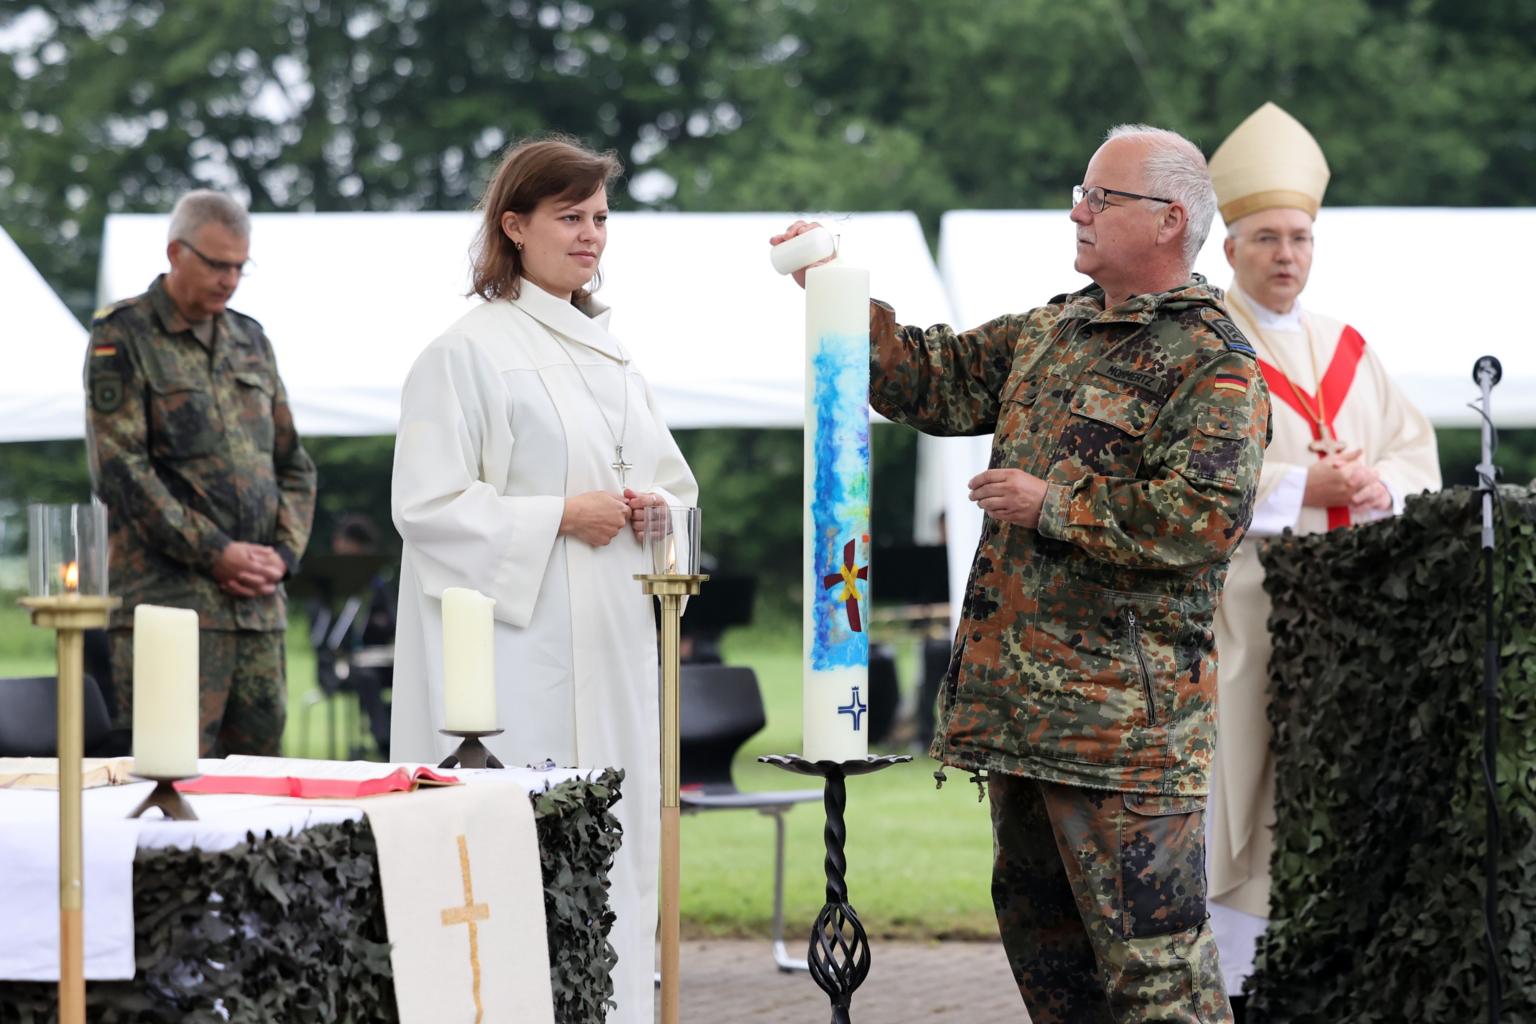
1487 366
1487 372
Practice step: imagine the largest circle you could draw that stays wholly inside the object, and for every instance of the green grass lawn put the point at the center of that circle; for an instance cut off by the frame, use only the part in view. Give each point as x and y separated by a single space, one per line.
918 860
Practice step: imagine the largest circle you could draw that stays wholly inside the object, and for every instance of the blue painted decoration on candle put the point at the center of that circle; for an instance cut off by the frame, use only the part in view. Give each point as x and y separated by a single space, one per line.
840 502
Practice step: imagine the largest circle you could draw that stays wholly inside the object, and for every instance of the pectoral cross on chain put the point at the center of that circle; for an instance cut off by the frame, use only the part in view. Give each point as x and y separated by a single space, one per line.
619 464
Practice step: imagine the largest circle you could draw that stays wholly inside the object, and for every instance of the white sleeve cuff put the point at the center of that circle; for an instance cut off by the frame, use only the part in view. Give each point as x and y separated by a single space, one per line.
1281 507
1370 515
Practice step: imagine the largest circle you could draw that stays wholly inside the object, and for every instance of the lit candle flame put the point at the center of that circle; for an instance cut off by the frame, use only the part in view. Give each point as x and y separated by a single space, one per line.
71 573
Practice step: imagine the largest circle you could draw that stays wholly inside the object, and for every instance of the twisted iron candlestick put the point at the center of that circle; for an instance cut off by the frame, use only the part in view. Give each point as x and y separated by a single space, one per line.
839 952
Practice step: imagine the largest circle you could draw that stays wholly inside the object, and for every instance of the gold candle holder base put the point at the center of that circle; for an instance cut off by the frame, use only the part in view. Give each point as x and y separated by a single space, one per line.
164 796
670 588
69 616
471 753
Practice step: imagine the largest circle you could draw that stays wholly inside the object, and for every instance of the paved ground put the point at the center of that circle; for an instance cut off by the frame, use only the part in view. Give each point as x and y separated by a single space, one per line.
735 981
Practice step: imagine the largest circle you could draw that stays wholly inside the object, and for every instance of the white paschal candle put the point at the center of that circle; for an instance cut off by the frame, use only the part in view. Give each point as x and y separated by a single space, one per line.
469 677
166 702
836 567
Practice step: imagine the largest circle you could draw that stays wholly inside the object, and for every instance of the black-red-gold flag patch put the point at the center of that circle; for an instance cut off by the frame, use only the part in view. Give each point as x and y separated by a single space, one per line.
104 349
1231 382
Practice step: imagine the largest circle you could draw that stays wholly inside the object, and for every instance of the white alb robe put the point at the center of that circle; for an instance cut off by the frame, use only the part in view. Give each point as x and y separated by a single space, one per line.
502 418
1399 443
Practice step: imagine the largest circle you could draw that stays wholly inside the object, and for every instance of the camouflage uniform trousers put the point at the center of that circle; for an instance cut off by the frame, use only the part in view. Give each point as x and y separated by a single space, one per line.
243 689
1100 899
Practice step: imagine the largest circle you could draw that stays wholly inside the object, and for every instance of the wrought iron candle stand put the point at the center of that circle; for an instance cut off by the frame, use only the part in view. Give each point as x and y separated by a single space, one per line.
471 753
839 953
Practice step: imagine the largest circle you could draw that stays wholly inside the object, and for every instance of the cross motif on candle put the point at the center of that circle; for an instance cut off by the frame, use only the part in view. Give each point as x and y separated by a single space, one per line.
855 708
848 575
468 914
619 464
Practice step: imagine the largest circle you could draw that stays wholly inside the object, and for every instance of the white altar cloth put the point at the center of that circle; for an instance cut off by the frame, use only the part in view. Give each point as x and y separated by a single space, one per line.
29 851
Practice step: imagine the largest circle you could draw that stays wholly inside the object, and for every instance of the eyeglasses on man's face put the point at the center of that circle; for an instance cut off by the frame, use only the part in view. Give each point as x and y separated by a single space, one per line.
1097 197
220 266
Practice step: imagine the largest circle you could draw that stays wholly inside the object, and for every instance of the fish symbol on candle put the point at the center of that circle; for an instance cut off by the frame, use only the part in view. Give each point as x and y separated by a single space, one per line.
69 572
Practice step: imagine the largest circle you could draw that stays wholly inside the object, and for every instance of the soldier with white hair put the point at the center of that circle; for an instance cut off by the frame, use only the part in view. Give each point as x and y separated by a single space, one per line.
1128 420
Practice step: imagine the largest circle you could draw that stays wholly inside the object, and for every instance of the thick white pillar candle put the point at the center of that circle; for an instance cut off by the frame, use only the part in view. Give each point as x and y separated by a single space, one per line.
469 674
836 641
166 723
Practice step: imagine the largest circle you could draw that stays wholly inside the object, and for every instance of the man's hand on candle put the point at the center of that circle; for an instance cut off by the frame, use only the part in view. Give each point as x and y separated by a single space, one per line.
248 570
638 502
595 517
799 227
1009 495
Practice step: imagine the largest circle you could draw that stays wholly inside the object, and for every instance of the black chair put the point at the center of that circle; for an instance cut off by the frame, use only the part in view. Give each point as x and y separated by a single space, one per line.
884 693
29 717
352 629
721 709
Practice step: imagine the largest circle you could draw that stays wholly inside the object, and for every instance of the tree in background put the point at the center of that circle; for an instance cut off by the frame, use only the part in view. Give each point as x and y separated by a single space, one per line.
297 105
361 105
928 106
110 105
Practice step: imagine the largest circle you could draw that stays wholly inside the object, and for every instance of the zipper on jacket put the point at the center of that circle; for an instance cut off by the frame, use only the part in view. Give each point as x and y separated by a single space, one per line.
1141 659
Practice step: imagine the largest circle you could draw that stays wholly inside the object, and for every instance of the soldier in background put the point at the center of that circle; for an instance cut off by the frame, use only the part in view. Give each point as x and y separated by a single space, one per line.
1128 424
210 493
1348 448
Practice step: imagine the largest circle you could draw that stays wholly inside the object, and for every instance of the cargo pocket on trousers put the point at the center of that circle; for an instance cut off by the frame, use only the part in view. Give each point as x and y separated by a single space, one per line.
1162 864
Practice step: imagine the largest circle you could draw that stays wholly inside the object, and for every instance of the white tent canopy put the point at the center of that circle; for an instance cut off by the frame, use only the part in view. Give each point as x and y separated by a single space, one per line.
1400 276
42 346
349 299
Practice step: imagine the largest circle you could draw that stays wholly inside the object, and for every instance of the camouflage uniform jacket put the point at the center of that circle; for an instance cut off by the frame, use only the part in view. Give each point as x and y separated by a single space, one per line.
1085 652
192 446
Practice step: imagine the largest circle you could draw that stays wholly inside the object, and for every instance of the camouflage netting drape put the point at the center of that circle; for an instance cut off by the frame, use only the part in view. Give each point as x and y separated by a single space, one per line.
296 931
1377 705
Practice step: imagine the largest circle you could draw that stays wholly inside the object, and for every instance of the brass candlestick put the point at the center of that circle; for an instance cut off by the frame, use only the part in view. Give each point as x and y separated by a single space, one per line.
671 588
70 615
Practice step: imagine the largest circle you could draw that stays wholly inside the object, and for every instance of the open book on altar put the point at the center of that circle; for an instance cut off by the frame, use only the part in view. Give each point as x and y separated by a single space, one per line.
43 772
309 779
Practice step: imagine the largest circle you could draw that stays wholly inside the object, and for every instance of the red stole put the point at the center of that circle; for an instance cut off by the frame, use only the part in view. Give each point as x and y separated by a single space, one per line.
1334 389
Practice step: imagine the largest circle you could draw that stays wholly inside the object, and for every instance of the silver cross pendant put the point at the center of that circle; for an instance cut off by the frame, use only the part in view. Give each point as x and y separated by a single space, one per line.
619 464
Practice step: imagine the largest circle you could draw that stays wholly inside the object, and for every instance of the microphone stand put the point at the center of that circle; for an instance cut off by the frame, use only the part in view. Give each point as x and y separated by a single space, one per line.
1486 373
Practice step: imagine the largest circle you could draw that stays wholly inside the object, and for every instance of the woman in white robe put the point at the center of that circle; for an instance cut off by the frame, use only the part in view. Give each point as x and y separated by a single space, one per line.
528 443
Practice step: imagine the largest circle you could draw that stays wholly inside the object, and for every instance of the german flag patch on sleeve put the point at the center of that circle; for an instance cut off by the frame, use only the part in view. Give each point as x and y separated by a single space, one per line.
1231 382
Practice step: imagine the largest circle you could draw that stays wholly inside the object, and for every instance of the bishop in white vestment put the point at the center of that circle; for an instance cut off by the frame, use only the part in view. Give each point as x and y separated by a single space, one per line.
1348 447
517 406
